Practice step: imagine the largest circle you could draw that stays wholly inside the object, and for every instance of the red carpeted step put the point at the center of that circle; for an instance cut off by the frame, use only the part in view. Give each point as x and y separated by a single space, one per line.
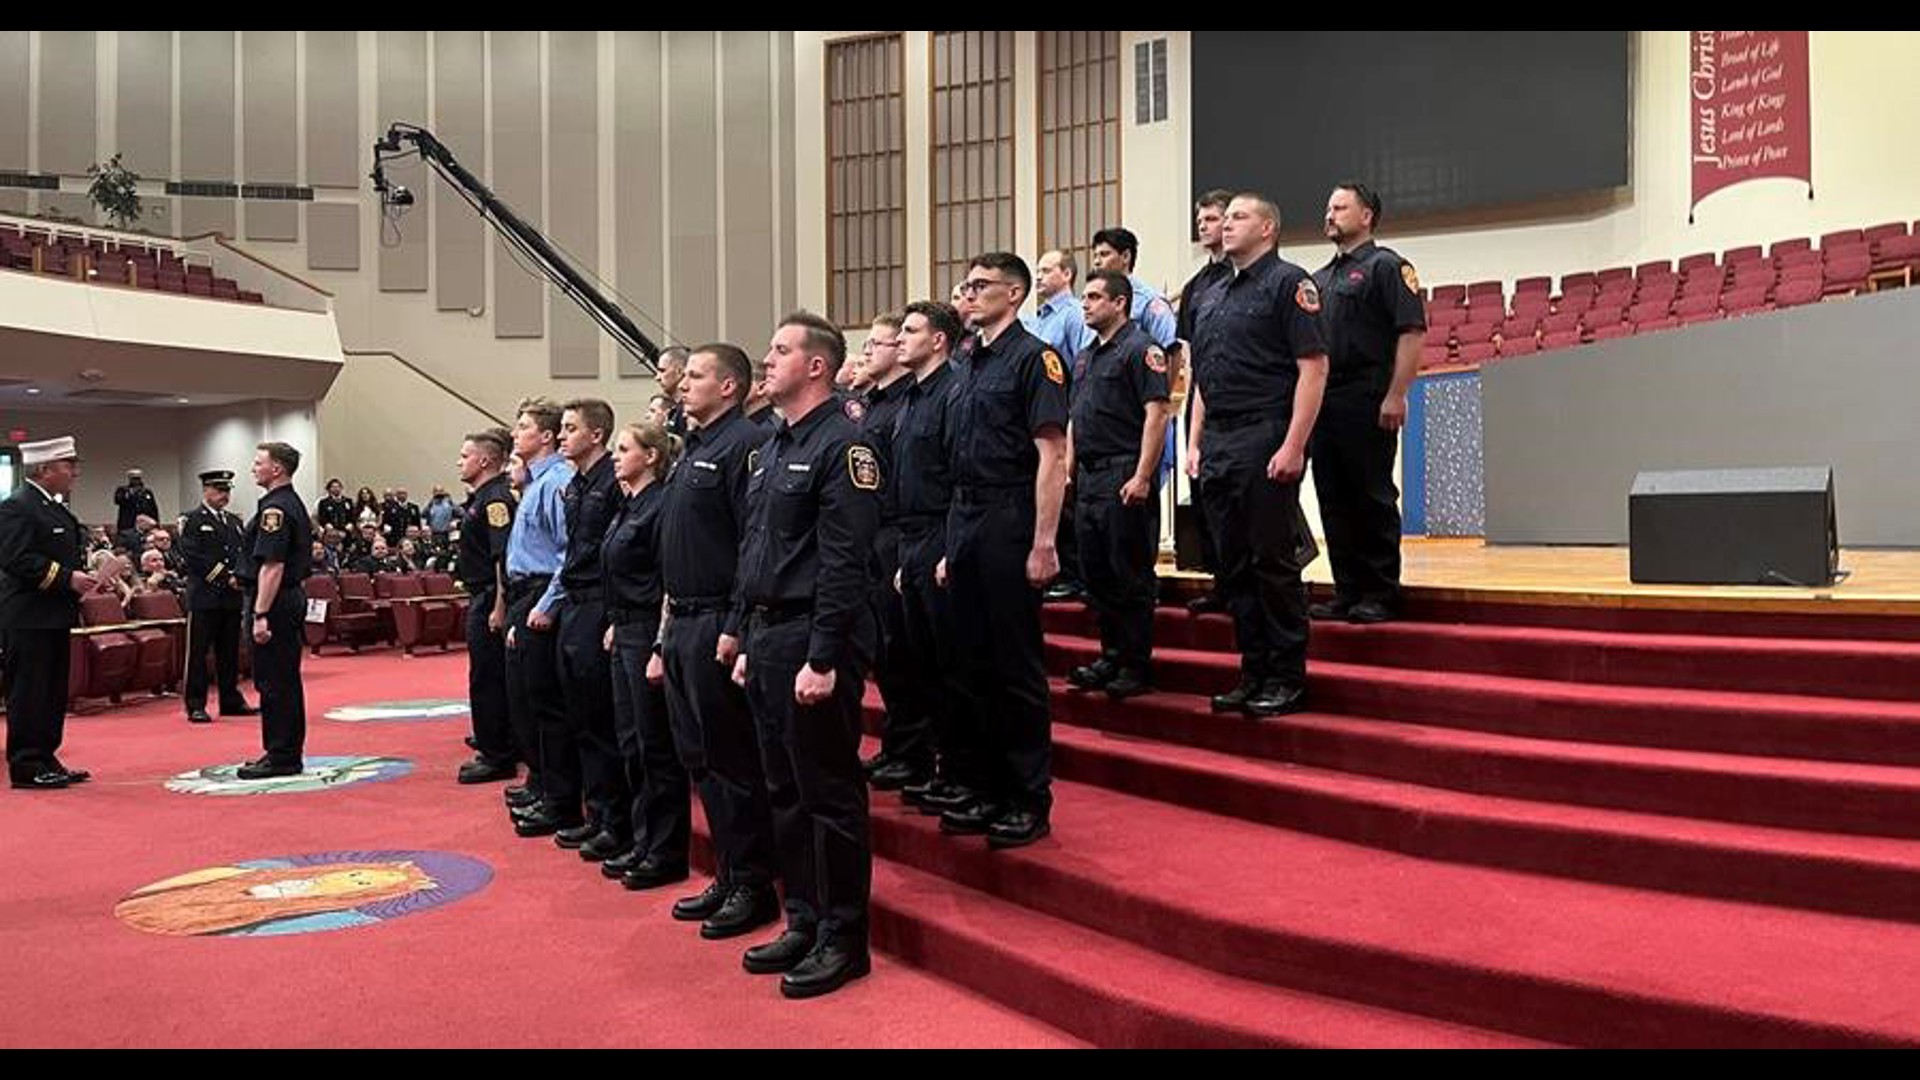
1765 725
1116 994
1539 956
1869 800
1843 668
1874 877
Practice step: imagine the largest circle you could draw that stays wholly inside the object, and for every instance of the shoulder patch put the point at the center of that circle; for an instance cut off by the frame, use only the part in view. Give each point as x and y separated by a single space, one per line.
856 410
1411 276
1308 296
1056 371
1159 306
863 468
498 516
1156 360
272 521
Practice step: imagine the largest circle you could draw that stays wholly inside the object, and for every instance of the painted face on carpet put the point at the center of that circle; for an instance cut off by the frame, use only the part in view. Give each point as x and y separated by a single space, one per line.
322 774
404 711
302 894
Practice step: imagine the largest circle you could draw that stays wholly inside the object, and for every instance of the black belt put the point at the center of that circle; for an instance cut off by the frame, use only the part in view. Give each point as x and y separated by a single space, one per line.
518 587
1102 463
775 614
696 606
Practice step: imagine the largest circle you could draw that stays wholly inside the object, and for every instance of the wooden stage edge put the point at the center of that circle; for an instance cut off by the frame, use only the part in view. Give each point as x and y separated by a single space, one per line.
1881 582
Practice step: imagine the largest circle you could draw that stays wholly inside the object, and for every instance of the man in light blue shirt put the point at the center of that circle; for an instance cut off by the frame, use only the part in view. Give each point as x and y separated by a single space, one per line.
535 550
1117 250
1057 318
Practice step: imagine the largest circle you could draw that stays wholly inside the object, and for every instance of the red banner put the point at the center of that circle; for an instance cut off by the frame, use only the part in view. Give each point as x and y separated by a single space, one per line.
1751 109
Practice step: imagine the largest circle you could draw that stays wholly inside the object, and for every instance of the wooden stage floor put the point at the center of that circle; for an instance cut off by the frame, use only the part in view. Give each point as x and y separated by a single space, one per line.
1881 583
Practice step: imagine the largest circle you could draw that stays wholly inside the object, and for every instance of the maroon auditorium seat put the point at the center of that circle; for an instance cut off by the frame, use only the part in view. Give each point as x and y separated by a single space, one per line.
1449 296
1691 308
1562 322
1475 333
1559 339
1446 318
112 657
1844 238
163 610
1744 302
1484 352
1694 264
1613 275
1531 286
1848 273
1601 318
1786 247
1432 356
1798 291
1612 331
1520 346
1885 232
1742 255
1642 314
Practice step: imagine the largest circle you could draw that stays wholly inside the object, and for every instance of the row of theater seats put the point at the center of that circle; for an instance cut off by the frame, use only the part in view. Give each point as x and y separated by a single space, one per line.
412 611
1476 324
136 649
155 268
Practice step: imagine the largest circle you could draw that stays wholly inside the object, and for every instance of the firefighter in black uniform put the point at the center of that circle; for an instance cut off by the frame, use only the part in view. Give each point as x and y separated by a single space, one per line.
1009 476
1209 214
906 739
135 500
486 524
210 542
702 518
806 579
921 492
279 556
42 552
1375 323
335 511
662 808
583 758
1260 368
1121 402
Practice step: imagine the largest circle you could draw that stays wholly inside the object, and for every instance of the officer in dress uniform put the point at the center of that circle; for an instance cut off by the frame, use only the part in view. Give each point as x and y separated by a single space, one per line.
42 550
486 525
210 543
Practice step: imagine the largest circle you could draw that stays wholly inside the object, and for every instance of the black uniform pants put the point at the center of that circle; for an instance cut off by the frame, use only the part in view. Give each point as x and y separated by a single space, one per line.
662 807
217 629
1118 547
276 674
1256 524
594 768
37 670
908 733
1359 504
815 785
933 658
487 682
714 733
533 679
996 619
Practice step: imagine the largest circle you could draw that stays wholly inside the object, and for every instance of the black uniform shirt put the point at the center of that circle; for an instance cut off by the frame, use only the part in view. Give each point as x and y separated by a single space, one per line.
1007 393
1371 297
1112 384
486 521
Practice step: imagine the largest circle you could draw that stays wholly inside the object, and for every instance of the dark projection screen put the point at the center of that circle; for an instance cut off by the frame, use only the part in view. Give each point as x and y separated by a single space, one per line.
1438 121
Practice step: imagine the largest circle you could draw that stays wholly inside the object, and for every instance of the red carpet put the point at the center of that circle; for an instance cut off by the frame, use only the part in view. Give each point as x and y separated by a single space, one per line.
1681 831
547 955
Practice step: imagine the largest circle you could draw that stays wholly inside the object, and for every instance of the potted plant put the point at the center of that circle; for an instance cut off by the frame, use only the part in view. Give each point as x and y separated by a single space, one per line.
115 189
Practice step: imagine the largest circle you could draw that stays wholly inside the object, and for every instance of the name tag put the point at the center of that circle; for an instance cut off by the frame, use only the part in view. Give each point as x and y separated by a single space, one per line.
60 531
799 468
710 466
206 528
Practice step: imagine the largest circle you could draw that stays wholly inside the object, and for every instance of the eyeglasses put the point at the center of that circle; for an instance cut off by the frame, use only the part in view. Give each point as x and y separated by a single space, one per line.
978 286
874 346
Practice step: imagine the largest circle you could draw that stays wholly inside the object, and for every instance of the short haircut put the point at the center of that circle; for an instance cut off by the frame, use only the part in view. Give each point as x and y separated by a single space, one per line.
496 442
677 356
544 412
941 318
1118 287
1368 197
1122 241
733 363
1067 262
892 320
1217 199
597 415
282 455
1266 207
1006 262
823 338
